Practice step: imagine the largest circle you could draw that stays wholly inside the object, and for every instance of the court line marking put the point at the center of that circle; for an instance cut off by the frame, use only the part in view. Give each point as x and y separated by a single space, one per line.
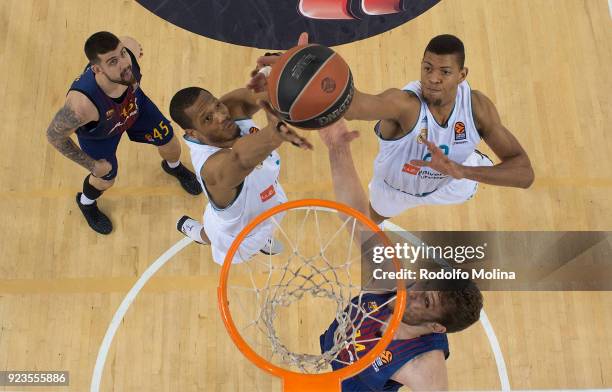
167 255
125 305
502 370
172 251
497 352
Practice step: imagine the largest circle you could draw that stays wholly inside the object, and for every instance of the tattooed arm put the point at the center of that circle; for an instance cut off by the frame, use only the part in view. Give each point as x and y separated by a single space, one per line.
77 110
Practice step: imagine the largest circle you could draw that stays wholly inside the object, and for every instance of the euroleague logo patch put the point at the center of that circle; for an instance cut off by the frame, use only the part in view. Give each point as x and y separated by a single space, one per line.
460 131
277 24
328 85
253 130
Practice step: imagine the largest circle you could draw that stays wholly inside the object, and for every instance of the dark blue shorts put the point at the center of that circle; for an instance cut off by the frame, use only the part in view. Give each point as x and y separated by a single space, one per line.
151 127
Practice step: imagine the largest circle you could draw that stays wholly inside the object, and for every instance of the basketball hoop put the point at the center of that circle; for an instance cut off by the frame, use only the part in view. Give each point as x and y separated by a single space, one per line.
277 282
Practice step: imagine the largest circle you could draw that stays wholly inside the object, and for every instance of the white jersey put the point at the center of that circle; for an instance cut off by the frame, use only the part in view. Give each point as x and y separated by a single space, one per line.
259 192
458 139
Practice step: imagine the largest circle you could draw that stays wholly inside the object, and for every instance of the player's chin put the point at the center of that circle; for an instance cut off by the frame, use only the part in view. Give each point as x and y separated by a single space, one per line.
433 100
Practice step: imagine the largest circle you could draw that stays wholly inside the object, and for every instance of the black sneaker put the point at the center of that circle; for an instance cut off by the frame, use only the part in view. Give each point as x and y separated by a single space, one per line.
188 180
94 217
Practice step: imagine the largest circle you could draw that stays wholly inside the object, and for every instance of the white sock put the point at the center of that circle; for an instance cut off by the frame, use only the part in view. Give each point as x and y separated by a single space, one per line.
173 165
86 201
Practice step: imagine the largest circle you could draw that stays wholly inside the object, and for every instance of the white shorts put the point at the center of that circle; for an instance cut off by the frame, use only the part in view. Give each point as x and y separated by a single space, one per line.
389 202
221 240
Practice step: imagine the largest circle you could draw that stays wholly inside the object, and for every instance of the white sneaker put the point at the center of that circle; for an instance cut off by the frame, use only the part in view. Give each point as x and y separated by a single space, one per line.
190 228
272 247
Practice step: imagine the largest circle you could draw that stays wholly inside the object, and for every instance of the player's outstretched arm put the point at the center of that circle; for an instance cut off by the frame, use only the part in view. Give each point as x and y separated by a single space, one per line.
392 105
389 105
243 102
228 168
77 111
427 372
347 186
515 168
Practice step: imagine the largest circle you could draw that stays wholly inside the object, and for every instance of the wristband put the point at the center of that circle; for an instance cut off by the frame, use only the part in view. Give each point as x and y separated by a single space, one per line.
265 71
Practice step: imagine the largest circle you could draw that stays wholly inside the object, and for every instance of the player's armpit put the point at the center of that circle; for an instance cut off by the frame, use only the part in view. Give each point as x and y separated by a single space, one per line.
74 114
427 372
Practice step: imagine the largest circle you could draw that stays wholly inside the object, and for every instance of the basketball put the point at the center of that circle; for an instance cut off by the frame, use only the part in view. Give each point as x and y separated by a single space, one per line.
310 86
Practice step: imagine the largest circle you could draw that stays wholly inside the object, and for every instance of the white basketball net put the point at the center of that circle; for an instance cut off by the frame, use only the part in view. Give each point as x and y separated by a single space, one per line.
281 304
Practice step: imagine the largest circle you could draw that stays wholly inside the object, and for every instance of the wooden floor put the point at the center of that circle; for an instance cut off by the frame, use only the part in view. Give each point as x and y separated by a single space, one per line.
545 63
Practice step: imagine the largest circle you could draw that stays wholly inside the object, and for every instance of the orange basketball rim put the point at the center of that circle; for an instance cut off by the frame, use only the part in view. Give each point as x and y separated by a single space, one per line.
294 381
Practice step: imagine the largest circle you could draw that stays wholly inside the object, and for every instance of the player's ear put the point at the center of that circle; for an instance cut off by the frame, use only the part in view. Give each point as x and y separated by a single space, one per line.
96 68
463 73
437 327
190 132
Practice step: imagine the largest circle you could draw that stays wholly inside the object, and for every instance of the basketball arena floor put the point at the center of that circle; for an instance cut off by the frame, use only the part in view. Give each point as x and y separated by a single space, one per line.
75 301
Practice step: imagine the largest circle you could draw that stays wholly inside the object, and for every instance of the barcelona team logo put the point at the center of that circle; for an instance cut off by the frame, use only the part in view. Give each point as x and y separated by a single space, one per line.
460 131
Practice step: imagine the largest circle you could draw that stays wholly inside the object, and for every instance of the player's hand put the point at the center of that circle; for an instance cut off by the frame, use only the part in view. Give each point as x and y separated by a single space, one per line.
258 80
440 162
101 168
285 133
337 134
